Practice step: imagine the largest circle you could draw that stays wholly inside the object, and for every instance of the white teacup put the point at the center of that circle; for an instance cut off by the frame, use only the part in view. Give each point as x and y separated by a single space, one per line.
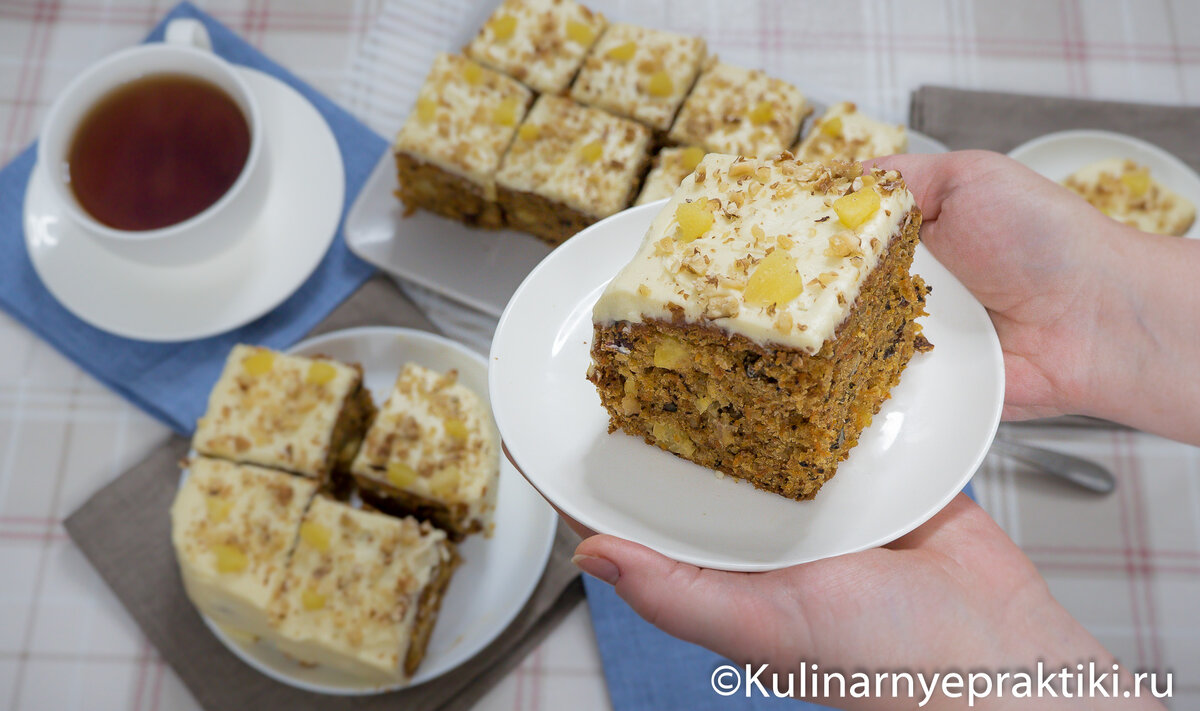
186 50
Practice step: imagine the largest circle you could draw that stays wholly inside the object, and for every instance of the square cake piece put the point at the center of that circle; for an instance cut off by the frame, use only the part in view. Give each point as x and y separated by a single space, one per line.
450 147
570 166
670 167
640 73
303 415
233 527
740 111
1126 192
845 133
362 591
432 453
540 42
765 318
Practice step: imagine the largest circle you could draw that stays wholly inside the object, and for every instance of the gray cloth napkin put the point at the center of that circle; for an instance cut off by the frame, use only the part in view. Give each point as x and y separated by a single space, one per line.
1001 122
125 531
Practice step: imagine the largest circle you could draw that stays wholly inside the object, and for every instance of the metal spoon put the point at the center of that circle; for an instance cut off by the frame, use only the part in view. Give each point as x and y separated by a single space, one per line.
1079 471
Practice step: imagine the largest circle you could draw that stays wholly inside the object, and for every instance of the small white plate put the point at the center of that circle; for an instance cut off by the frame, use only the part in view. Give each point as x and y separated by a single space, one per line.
280 250
497 575
922 449
1057 155
477 267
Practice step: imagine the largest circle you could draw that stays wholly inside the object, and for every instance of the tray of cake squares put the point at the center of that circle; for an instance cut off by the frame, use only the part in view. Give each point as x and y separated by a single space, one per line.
346 545
552 118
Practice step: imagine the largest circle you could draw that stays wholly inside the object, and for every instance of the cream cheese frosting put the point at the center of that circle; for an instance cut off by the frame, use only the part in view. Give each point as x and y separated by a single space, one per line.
434 437
579 156
276 410
640 73
740 111
845 133
464 119
714 270
540 42
353 587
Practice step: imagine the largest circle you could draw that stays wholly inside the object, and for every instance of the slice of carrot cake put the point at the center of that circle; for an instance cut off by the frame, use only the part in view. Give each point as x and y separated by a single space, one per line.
845 133
432 453
1125 191
765 318
540 42
670 167
450 147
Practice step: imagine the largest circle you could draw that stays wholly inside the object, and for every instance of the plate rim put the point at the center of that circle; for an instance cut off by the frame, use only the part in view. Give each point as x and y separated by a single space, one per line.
569 509
38 173
250 660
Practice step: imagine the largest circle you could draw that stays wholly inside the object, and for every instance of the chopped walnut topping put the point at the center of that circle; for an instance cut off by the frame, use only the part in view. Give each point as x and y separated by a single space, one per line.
741 169
826 278
643 290
722 307
783 323
785 242
664 246
843 244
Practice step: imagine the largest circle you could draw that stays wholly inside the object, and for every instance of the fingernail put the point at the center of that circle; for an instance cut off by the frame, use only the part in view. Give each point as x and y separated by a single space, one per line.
600 568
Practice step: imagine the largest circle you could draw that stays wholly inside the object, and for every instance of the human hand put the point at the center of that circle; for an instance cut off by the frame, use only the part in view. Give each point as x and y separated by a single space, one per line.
955 594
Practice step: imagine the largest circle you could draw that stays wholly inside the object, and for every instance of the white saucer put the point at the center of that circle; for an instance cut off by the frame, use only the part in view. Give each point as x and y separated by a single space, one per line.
922 449
477 267
280 250
497 575
1057 155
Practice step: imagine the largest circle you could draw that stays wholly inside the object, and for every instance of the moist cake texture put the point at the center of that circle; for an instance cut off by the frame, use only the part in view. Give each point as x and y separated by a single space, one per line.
450 147
432 453
740 111
764 319
303 415
640 73
540 42
845 133
670 167
362 591
569 166
233 527
1126 192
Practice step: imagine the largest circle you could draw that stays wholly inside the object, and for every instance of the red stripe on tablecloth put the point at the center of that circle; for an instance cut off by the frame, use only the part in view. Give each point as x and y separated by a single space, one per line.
1146 578
40 21
139 681
156 689
32 536
1131 562
1101 551
1169 11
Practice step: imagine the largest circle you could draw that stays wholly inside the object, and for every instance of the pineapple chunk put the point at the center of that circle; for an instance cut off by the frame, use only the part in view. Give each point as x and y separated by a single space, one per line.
320 373
473 73
426 109
311 599
457 429
260 363
528 132
660 84
230 559
503 26
670 353
580 33
622 52
1138 181
506 113
691 157
856 208
832 127
400 475
218 508
762 113
775 280
673 439
693 220
444 484
591 152
315 535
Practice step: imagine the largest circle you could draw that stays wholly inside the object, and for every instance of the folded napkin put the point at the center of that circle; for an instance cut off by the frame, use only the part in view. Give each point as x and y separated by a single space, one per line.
171 380
125 531
1000 122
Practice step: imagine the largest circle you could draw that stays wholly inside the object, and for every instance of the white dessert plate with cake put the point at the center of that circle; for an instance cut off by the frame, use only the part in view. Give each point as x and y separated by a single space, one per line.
922 448
279 250
1062 154
497 574
477 267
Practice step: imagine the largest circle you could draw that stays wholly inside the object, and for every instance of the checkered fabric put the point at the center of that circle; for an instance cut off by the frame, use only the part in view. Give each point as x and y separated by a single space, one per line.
1127 565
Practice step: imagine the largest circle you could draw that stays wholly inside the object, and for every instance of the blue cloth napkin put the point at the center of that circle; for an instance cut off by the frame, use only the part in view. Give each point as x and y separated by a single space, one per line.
171 380
649 670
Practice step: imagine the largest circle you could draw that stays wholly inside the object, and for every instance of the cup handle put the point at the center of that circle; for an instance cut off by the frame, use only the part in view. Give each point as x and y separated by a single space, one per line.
188 33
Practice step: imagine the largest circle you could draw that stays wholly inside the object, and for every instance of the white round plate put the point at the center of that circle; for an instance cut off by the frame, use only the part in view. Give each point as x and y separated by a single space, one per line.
280 250
922 449
497 575
1057 155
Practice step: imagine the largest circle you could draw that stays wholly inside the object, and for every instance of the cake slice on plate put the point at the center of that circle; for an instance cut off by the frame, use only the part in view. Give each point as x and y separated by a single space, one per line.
845 133
670 167
1125 191
764 319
